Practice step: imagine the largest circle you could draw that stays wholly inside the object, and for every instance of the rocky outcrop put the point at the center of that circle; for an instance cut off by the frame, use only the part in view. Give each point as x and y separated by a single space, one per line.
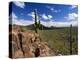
27 44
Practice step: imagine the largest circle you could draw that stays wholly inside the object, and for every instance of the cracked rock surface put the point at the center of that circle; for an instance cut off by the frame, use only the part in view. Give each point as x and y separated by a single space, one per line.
27 44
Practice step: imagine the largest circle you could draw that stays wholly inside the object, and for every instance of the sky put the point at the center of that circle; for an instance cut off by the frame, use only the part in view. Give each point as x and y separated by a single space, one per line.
58 15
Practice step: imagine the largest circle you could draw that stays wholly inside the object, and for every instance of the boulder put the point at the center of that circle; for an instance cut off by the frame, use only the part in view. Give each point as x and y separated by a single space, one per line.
29 44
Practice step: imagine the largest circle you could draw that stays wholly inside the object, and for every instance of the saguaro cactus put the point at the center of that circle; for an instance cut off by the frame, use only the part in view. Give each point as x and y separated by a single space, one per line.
36 26
39 24
71 39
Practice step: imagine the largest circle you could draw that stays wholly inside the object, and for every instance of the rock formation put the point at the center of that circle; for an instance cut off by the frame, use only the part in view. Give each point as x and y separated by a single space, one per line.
27 44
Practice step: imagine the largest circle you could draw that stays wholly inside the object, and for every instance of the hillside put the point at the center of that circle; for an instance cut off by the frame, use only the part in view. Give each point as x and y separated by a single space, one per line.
57 38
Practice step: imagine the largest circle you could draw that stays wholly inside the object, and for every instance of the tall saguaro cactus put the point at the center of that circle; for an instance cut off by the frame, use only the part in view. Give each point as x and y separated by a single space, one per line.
71 39
39 24
35 13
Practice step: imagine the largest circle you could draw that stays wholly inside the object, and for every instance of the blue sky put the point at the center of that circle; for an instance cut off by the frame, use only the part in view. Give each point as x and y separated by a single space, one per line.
22 13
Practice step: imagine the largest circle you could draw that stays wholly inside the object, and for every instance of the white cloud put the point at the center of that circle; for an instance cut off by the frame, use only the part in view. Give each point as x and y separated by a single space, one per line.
59 24
31 14
19 4
14 20
44 16
73 6
22 22
70 19
49 16
72 16
13 15
56 11
50 23
53 10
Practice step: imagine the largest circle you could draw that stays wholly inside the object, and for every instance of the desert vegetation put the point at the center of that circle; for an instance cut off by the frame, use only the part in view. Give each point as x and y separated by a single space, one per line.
37 40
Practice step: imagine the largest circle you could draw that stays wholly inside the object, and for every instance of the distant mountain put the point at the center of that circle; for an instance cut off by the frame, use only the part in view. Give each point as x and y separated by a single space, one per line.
32 27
